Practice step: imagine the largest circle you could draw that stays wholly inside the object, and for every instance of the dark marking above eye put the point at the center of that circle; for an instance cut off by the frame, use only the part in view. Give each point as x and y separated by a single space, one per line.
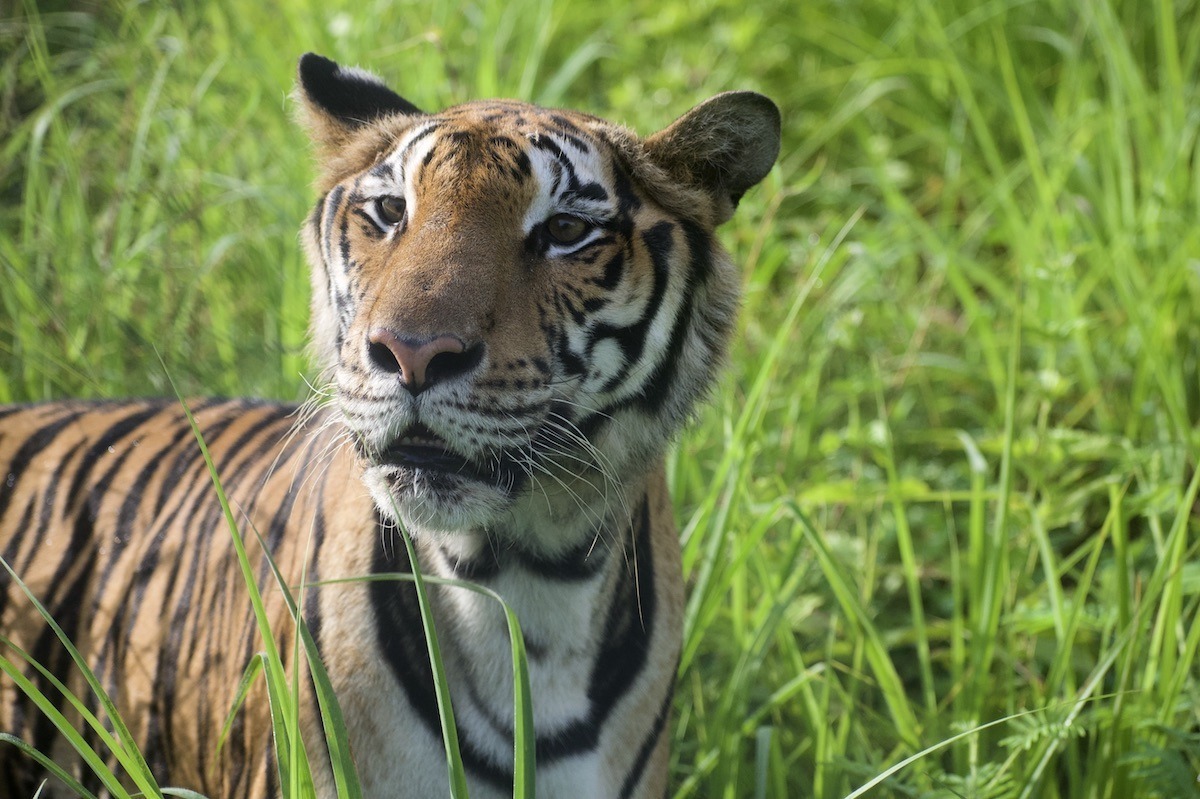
588 191
424 133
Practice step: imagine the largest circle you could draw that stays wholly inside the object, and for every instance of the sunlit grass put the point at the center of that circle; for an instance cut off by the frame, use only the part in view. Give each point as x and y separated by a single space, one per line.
949 477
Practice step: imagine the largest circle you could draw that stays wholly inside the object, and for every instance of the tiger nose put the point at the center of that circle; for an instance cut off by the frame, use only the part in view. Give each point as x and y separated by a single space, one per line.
421 363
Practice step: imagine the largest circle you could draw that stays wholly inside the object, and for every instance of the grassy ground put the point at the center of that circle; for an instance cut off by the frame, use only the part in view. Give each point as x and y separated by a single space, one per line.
950 476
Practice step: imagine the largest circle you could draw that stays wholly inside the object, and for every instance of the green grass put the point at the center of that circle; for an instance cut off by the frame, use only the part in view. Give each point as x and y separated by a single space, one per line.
950 474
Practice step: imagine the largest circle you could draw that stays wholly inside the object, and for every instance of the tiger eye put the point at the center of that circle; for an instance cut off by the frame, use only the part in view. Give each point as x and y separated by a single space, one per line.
390 209
567 229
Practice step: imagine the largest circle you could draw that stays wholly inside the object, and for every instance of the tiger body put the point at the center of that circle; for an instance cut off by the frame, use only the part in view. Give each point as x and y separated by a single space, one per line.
516 308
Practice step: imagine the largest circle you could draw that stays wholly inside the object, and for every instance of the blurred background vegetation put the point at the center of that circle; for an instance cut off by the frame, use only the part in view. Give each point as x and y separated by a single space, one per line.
950 475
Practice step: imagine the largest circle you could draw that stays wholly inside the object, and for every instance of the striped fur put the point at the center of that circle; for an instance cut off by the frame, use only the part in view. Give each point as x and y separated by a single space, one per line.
516 308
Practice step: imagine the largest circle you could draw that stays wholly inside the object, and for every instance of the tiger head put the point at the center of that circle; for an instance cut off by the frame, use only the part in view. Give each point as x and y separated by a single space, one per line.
518 306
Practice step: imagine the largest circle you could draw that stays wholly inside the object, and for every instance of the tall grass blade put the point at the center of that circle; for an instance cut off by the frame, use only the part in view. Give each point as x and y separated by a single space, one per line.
45 762
123 747
293 776
441 687
336 736
524 739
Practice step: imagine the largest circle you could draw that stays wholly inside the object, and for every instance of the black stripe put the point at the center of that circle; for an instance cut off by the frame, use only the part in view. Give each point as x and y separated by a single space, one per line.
383 170
588 191
659 243
9 552
581 562
401 640
186 457
135 494
333 202
314 216
203 533
568 167
40 439
206 532
402 156
627 198
253 455
344 251
648 743
65 601
614 270
272 773
125 533
143 573
658 386
49 499
191 491
109 438
628 628
277 528
19 709
483 566
625 644
572 364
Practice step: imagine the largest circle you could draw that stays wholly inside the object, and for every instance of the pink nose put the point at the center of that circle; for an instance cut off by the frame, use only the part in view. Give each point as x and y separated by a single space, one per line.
421 364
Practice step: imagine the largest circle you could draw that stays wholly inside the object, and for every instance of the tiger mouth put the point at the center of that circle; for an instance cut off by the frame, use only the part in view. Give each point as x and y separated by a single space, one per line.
421 450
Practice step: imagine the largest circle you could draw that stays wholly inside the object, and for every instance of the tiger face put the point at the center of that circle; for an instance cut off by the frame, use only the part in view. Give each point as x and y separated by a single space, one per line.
518 306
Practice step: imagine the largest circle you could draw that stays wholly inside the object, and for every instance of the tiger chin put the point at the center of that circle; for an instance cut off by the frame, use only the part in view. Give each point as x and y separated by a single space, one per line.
515 310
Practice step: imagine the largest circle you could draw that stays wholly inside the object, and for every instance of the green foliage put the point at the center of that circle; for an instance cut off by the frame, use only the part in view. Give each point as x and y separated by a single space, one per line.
950 475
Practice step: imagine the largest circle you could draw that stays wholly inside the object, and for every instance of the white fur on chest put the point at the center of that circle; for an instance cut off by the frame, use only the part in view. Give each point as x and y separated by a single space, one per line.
558 622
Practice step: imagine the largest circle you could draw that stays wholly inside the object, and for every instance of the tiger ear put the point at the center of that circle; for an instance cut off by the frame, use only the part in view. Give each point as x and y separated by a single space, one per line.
338 100
723 146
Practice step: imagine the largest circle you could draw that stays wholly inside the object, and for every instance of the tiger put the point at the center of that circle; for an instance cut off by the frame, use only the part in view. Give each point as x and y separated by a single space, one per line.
515 309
